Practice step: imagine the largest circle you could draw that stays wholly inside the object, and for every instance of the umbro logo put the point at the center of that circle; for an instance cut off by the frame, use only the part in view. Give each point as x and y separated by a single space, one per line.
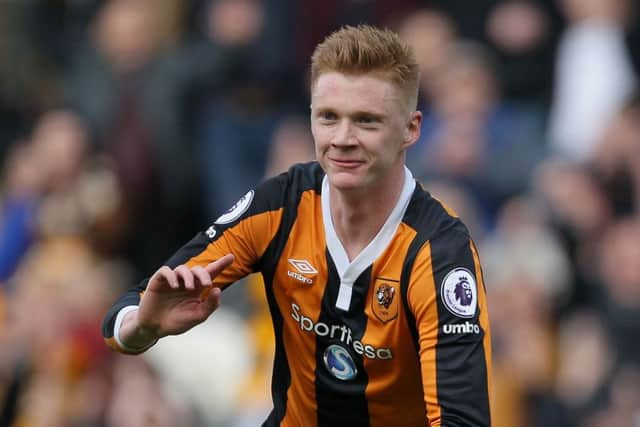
303 267
461 328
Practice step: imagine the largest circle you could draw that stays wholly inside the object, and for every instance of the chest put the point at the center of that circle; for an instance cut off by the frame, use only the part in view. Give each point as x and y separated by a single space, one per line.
307 284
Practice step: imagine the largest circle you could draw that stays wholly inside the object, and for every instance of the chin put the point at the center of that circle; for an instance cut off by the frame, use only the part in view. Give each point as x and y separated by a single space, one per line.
346 181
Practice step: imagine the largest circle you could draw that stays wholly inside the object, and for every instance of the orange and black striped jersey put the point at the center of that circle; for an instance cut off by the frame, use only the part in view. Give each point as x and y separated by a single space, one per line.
397 337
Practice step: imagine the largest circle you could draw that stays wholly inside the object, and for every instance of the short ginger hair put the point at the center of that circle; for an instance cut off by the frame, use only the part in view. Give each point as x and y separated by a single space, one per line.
368 50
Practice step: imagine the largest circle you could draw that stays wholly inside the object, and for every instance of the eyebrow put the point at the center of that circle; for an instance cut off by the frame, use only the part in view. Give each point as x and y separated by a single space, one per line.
356 113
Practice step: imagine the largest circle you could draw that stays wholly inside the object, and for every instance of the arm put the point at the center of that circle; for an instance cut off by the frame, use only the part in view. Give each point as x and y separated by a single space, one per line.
447 297
185 291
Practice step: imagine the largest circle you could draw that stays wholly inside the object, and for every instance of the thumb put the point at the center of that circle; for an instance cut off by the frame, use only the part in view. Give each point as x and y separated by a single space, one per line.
218 265
212 299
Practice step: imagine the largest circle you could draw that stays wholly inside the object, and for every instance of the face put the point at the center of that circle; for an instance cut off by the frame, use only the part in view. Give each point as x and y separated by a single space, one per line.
362 126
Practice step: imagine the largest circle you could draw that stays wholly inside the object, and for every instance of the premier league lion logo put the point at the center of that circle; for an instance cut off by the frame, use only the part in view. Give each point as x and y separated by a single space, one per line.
385 294
459 292
463 291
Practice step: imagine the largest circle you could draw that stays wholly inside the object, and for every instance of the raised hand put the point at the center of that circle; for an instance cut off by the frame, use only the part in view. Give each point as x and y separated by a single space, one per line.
175 301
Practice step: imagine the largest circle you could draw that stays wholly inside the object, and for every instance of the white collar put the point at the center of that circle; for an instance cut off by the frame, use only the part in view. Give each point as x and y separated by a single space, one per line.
349 271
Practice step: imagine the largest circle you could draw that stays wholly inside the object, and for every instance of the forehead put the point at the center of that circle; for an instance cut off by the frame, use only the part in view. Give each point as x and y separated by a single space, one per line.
366 92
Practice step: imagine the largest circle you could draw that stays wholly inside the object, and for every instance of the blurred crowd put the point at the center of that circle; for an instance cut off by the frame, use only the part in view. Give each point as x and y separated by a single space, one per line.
126 126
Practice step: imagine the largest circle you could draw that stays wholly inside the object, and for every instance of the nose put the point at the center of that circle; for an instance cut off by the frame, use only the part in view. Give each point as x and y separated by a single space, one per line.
344 134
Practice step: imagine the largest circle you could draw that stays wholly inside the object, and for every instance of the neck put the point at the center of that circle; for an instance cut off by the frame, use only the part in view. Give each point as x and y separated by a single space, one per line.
359 215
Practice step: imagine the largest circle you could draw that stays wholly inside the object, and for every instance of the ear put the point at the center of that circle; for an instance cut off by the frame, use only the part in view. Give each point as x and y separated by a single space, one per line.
412 129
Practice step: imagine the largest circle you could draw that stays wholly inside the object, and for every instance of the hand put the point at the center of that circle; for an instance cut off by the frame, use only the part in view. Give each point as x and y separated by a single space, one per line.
174 302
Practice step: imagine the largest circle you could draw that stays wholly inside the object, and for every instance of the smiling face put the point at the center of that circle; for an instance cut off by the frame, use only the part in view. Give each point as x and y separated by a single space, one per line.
362 125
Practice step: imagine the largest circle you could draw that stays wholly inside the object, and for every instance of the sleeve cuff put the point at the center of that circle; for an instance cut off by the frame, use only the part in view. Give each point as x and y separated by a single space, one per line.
116 330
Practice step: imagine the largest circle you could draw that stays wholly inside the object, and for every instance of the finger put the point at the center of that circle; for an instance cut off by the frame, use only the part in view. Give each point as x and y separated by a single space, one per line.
185 276
164 275
201 275
218 265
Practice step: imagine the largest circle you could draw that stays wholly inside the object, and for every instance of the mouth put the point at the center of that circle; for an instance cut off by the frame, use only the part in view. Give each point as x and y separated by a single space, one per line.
346 163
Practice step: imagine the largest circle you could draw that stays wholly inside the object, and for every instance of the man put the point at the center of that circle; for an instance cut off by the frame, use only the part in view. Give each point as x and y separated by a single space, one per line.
374 287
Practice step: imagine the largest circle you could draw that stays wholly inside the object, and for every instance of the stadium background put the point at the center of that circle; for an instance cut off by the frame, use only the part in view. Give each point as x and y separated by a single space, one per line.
128 125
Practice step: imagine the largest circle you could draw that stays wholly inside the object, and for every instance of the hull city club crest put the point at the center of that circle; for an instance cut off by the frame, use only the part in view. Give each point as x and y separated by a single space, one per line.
385 299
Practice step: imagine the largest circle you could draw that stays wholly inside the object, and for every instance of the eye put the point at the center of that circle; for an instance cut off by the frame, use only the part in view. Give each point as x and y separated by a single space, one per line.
368 121
327 116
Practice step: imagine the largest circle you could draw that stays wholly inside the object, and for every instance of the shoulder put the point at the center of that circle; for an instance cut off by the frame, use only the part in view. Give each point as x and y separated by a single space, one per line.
306 176
432 219
286 188
441 240
279 193
299 178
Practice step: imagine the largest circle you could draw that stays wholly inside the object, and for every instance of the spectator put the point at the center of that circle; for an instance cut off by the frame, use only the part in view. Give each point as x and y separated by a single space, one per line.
49 163
124 87
585 365
471 137
617 159
620 277
431 35
529 276
593 77
523 34
242 108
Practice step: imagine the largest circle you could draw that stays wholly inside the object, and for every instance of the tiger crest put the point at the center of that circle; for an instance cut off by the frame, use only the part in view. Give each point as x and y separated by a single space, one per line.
385 294
384 303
